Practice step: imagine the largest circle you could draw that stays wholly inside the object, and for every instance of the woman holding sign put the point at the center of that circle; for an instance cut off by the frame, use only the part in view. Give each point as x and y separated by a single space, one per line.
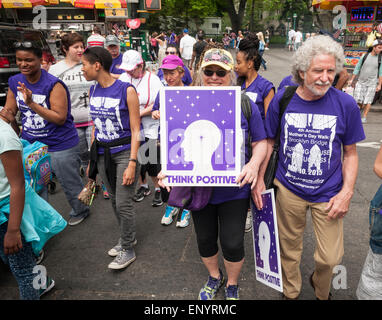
225 214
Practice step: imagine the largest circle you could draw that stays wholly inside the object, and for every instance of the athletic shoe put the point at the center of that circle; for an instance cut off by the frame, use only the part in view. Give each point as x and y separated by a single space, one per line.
49 286
363 120
141 194
73 221
113 252
184 220
232 292
248 222
208 292
40 257
123 259
157 201
169 213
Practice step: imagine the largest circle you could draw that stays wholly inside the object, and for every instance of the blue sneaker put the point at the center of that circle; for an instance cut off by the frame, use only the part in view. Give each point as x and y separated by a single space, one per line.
169 213
208 292
184 220
232 292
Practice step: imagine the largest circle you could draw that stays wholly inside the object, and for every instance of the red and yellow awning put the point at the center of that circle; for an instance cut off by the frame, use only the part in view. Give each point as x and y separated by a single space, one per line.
23 3
99 4
330 4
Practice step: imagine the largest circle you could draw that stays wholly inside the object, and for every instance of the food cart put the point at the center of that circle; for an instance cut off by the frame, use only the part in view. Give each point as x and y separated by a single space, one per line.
361 16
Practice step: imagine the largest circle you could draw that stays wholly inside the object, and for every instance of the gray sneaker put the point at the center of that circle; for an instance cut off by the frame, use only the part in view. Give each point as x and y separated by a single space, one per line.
123 259
73 221
113 252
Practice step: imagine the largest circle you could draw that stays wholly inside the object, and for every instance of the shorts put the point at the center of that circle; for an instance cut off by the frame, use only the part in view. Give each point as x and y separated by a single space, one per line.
149 158
364 92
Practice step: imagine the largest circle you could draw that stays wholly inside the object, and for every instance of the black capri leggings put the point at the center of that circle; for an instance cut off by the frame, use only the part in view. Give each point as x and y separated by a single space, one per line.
226 220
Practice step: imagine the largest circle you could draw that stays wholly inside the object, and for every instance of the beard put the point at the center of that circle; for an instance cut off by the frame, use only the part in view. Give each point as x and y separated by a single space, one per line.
319 92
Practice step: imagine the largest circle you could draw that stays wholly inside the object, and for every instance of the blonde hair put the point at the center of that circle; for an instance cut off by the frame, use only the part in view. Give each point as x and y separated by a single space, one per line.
260 36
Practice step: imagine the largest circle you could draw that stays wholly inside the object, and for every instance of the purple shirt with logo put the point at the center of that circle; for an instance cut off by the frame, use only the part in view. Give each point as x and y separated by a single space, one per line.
256 128
311 140
110 114
257 91
115 65
36 128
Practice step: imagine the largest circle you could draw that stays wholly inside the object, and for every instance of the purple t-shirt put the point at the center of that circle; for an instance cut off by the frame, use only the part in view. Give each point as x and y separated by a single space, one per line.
115 65
311 140
187 79
287 81
36 128
256 128
110 114
257 91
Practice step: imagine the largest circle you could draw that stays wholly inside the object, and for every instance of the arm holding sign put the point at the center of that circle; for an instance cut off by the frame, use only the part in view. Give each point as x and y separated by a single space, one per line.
260 186
249 173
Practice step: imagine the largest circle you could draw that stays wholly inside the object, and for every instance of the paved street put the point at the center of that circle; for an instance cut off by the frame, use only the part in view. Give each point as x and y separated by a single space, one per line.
168 265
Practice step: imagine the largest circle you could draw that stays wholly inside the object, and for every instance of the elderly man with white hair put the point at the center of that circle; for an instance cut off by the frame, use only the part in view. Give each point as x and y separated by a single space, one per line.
325 122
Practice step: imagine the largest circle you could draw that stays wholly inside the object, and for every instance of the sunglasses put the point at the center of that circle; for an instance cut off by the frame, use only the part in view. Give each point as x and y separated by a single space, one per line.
219 73
25 44
169 52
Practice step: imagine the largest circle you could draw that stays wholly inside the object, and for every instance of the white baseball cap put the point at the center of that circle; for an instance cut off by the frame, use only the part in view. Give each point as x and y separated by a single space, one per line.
376 42
130 60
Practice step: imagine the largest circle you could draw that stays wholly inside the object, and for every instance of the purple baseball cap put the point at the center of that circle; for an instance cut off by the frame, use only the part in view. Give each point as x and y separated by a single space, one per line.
171 62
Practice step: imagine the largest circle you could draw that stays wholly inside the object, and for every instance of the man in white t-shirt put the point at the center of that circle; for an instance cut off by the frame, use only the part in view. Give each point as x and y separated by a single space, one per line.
297 39
291 35
186 47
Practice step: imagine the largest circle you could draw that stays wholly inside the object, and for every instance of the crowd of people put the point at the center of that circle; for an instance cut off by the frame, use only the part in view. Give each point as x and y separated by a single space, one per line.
98 112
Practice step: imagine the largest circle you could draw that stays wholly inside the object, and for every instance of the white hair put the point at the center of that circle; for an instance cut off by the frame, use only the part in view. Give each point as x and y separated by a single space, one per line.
313 47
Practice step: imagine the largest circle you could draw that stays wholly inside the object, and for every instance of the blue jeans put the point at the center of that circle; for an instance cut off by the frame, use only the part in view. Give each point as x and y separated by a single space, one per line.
375 220
21 264
66 166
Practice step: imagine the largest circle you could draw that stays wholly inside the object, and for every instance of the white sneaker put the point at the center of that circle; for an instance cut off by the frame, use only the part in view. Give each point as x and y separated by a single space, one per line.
248 222
167 217
184 221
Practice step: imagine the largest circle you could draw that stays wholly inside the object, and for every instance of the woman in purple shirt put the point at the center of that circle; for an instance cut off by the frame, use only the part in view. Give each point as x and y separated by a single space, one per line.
248 61
114 108
225 214
44 104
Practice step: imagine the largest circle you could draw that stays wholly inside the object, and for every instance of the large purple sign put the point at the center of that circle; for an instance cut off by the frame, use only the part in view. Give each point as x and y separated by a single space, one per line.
266 243
201 137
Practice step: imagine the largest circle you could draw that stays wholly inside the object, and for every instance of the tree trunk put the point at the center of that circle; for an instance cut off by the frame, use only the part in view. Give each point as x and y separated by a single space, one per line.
236 17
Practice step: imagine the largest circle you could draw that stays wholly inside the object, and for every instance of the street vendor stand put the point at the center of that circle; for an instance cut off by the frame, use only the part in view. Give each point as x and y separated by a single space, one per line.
361 16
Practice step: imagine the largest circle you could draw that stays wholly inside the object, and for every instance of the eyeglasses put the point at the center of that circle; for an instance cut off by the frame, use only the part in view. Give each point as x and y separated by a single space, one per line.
169 52
219 73
25 44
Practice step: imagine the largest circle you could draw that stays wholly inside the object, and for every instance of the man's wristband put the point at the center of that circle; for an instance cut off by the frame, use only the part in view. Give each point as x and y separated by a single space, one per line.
133 160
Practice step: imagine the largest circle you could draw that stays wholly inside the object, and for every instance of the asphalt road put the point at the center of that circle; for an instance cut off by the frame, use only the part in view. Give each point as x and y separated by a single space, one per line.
168 266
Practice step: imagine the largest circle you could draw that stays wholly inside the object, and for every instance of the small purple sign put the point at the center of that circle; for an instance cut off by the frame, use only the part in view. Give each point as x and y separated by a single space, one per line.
266 243
201 135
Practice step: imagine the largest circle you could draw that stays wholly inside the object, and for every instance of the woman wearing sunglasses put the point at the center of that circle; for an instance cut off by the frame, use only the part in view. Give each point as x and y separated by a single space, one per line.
186 78
114 109
225 214
44 104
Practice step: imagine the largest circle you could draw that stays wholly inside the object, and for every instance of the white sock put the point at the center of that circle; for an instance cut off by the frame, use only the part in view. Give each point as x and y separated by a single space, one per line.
145 185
